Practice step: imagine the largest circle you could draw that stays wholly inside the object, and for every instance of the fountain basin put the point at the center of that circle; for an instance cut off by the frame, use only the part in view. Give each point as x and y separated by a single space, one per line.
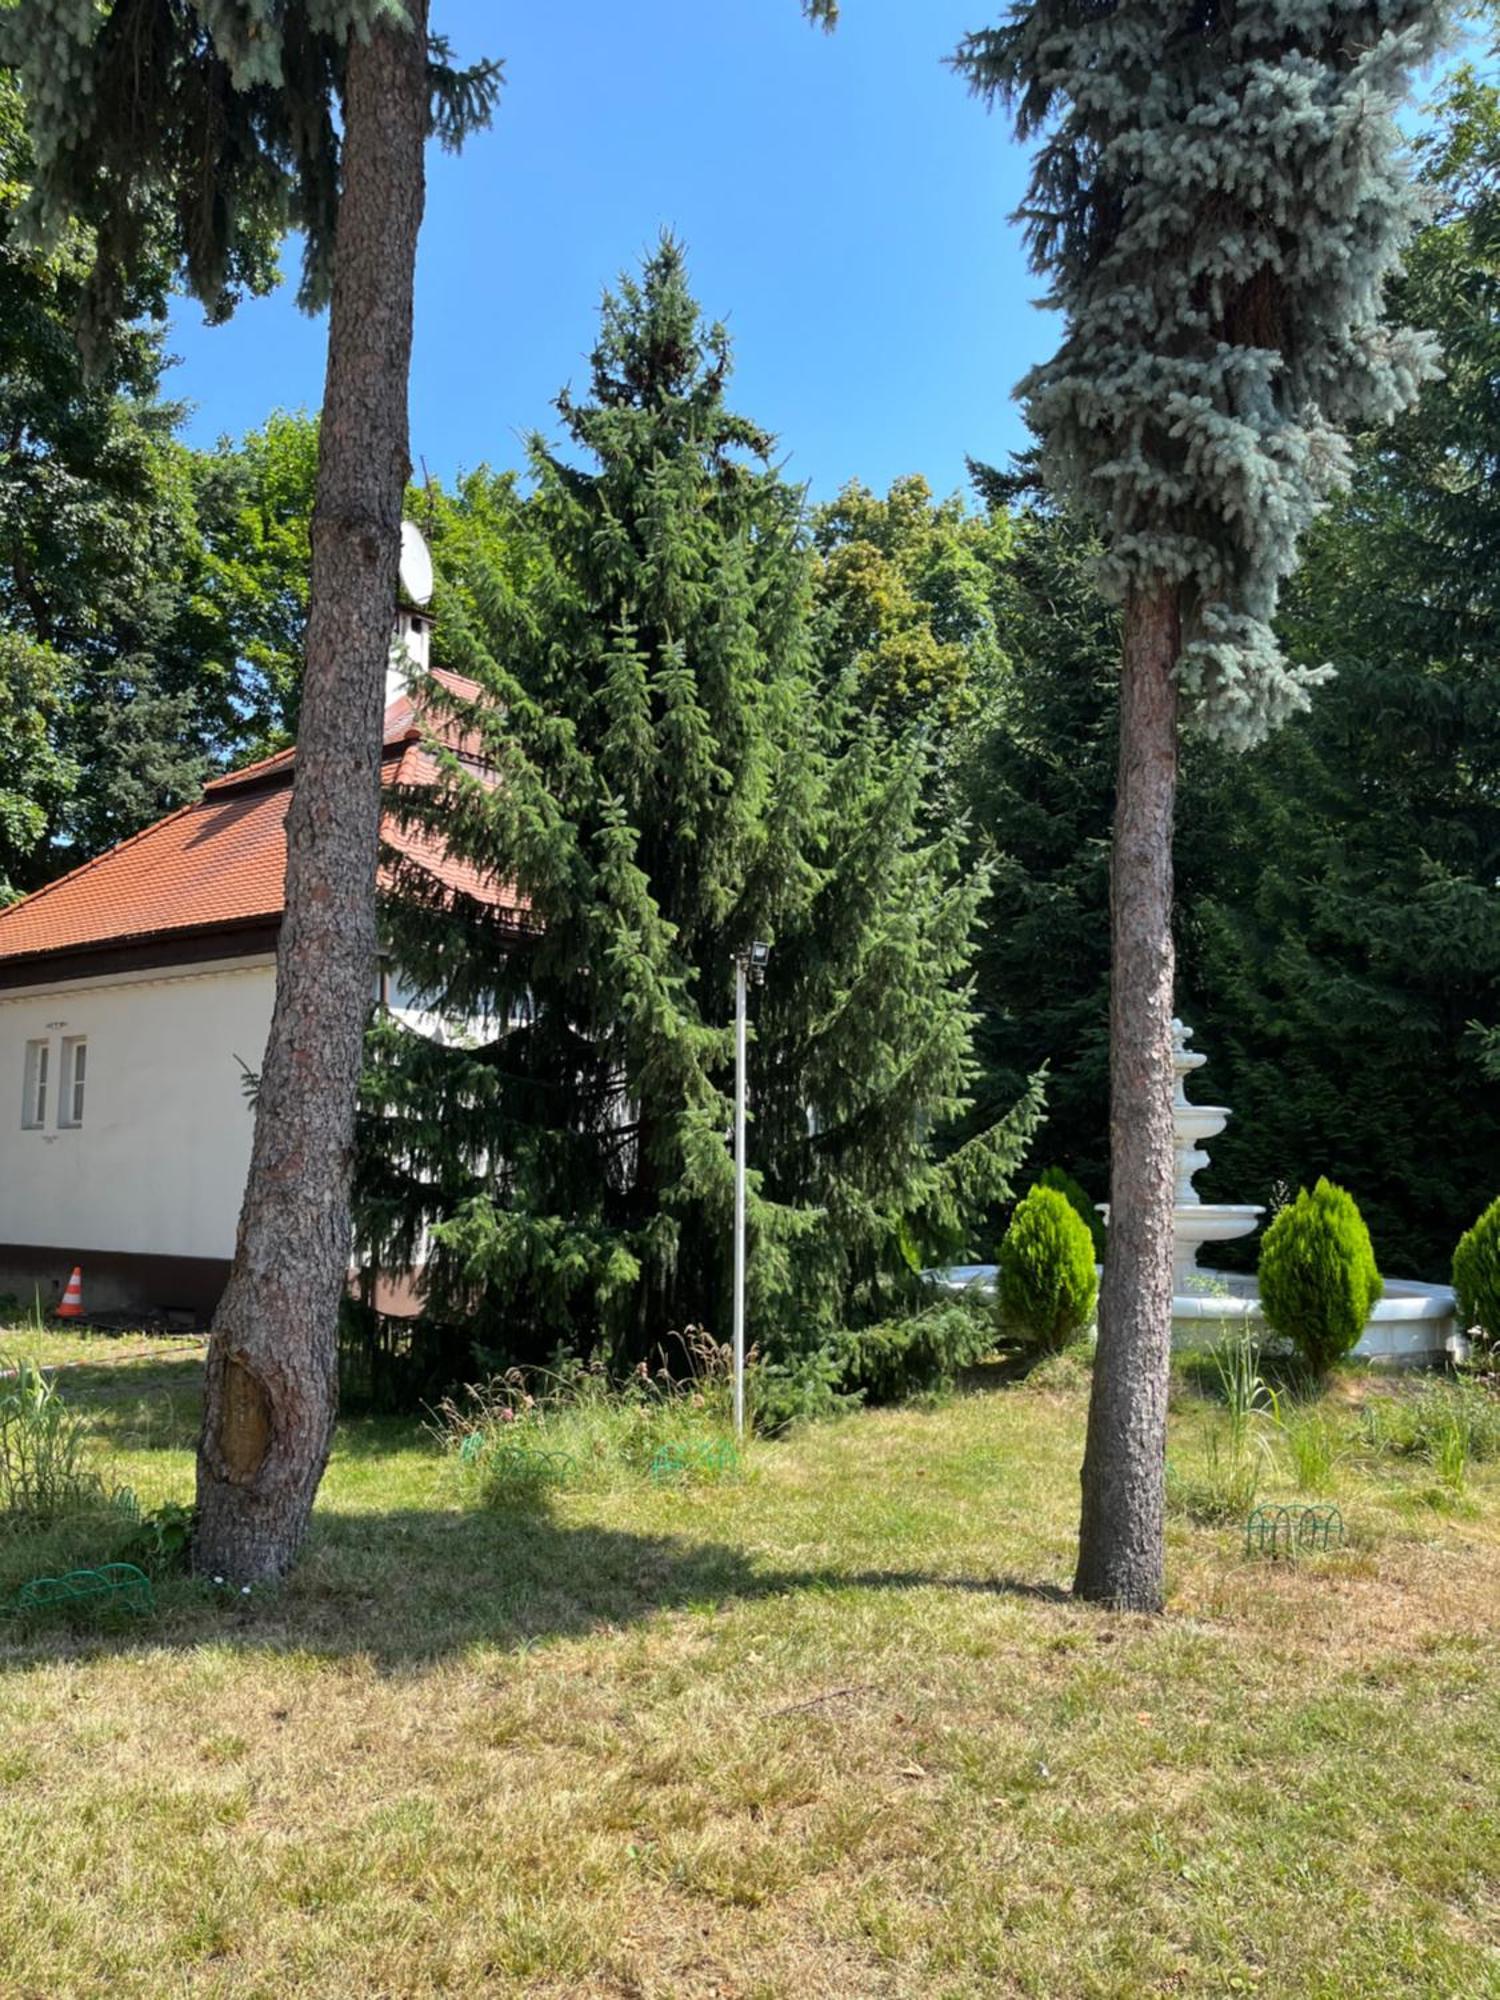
1414 1325
1195 1223
1196 1122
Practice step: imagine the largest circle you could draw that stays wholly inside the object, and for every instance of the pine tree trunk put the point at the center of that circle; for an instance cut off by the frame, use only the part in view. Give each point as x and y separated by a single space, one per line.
1120 1544
270 1393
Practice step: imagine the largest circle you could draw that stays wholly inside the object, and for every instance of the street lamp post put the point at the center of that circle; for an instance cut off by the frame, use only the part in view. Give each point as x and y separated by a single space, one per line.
749 964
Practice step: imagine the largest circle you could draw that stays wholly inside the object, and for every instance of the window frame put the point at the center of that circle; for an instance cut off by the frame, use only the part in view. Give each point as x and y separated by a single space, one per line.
72 1083
36 1079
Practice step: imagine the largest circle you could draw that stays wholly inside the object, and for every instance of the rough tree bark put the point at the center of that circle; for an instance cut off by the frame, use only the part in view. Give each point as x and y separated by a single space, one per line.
271 1388
1120 1552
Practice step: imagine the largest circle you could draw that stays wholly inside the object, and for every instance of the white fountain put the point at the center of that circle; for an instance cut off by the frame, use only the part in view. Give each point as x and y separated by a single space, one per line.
1413 1324
1194 1221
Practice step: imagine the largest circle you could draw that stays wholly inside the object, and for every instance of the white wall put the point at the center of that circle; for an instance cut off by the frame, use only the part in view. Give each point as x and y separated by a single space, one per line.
158 1166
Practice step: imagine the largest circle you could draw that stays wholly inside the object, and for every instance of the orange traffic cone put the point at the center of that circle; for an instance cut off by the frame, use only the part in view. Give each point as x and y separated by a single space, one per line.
71 1306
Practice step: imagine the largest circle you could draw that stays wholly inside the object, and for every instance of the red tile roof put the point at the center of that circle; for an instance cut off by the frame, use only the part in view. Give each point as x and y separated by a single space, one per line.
219 864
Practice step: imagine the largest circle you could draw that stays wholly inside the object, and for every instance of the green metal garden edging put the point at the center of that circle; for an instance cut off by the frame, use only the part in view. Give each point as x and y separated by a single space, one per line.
1293 1530
118 1583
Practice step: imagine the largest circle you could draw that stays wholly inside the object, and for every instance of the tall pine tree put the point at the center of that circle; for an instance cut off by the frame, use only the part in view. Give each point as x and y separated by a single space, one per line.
220 124
654 765
1218 197
1354 931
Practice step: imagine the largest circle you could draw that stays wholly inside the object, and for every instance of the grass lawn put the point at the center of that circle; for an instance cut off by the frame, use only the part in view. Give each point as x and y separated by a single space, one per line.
832 1729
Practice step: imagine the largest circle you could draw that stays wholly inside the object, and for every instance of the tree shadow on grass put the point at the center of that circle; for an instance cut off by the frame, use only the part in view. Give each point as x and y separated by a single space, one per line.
409 1588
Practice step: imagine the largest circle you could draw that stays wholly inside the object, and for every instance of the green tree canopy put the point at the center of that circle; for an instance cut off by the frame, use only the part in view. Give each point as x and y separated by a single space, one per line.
1352 931
95 521
908 585
665 777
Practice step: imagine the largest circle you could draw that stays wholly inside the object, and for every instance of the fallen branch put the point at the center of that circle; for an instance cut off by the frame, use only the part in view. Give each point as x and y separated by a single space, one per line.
816 1701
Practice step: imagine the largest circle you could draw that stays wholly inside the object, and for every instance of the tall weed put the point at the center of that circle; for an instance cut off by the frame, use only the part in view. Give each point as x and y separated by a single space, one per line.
1313 1447
1450 1424
1227 1481
531 1432
44 1474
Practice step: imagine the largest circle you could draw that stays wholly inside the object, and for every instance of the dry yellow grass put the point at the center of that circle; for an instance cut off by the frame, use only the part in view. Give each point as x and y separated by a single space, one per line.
833 1730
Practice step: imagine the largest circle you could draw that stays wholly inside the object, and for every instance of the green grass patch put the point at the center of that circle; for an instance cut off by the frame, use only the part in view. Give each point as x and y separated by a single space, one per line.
832 1726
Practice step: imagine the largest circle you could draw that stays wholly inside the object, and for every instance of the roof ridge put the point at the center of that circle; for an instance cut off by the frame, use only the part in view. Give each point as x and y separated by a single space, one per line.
262 765
227 780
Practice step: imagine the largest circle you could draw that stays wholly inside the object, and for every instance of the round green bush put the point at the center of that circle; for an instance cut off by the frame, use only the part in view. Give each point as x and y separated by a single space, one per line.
1047 1285
1318 1279
1476 1277
1060 1179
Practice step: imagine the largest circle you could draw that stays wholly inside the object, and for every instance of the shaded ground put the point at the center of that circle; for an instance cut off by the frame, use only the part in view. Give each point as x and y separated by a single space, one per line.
834 1729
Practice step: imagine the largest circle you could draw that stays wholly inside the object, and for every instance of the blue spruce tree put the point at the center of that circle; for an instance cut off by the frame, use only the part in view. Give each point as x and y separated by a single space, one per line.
1218 197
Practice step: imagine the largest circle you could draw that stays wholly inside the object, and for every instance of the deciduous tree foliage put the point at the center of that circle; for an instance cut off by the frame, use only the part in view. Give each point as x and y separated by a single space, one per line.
95 522
665 777
909 585
1218 197
242 617
152 597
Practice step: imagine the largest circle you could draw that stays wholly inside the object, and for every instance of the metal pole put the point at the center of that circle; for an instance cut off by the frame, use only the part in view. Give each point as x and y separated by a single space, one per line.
739 1197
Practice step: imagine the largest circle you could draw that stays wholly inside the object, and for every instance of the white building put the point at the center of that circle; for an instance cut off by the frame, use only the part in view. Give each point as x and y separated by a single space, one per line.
135 993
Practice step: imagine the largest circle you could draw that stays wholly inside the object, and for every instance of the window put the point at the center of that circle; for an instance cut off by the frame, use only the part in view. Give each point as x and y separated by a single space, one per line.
75 1057
34 1100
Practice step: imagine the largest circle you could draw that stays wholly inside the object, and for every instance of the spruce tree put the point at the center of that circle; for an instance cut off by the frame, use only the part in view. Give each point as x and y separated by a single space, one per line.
1218 198
655 766
1351 933
1037 780
226 122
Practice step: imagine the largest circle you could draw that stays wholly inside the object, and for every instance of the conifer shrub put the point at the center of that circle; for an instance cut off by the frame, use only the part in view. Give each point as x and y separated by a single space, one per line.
1318 1276
1476 1278
924 1351
1047 1287
1060 1179
798 1387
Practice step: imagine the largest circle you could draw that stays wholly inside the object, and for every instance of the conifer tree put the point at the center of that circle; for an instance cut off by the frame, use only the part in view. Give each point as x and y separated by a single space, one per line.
1218 198
226 122
656 768
1351 933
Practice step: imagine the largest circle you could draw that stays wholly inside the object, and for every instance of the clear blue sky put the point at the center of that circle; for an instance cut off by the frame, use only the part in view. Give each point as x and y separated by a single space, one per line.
843 200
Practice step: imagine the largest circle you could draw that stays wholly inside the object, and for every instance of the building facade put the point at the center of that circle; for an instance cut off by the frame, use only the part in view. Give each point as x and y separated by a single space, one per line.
135 1002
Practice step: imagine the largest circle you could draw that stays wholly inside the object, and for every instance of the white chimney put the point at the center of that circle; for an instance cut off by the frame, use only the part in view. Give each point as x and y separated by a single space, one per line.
411 642
411 653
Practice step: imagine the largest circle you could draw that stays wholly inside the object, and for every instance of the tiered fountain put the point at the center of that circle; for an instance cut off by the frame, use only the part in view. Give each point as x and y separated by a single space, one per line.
1196 1222
1412 1323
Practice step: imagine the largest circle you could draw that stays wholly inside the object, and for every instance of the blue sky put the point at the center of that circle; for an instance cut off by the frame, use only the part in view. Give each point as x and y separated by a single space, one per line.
844 201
